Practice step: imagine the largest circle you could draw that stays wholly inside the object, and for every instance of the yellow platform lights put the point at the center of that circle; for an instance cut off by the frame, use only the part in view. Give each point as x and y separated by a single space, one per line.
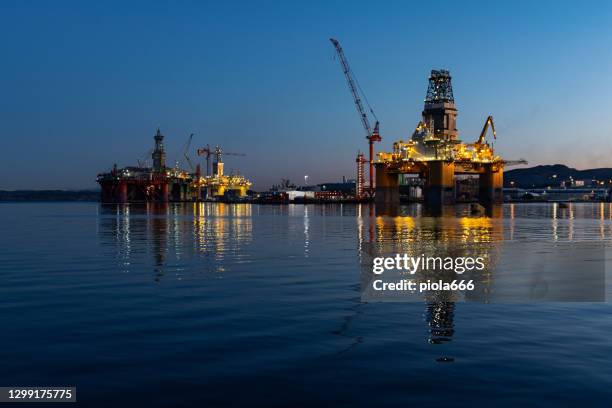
218 183
425 146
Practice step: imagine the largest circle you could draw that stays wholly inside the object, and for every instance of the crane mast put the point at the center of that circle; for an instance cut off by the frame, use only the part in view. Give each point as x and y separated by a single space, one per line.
201 152
353 88
372 135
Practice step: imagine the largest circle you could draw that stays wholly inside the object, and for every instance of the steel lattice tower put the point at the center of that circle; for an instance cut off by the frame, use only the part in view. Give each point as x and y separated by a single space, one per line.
440 88
440 112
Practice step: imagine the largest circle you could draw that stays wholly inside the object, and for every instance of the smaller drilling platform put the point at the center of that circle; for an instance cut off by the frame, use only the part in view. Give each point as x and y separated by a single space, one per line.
436 154
219 184
160 183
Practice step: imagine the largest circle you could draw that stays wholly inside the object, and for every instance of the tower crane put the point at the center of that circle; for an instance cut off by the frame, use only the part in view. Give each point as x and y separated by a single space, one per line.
217 152
372 134
206 151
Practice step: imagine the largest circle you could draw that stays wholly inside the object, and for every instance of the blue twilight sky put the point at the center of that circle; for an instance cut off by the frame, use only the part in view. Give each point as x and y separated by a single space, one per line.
85 84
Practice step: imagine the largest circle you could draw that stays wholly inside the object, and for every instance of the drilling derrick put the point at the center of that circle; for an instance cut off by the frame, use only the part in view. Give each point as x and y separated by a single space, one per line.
159 154
440 114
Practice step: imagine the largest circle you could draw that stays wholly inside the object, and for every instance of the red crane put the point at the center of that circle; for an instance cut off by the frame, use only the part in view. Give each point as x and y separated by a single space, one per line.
372 135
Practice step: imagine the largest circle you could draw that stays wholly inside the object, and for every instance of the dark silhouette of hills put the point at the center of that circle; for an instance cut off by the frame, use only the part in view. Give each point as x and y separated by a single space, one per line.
542 176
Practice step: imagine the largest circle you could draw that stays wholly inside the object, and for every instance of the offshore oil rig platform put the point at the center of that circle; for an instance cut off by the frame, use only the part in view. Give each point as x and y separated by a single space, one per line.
160 183
435 153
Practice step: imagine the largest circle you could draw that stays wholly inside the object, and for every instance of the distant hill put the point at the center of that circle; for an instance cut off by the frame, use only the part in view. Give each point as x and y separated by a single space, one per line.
49 195
542 176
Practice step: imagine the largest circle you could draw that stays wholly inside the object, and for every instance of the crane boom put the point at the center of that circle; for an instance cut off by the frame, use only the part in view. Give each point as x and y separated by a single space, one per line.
186 154
218 152
372 135
352 86
489 121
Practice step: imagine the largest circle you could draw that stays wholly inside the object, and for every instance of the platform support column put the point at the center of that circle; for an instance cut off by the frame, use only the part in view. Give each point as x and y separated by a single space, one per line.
491 184
122 192
163 192
440 187
387 186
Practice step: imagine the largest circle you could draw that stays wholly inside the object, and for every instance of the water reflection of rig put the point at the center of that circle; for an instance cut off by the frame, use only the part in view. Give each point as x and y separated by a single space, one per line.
454 233
165 237
160 183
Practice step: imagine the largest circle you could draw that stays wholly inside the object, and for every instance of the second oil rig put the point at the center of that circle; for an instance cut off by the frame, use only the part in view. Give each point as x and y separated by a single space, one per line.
160 183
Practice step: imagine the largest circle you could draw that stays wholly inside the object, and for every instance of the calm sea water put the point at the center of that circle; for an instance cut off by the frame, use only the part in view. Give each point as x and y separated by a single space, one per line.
245 305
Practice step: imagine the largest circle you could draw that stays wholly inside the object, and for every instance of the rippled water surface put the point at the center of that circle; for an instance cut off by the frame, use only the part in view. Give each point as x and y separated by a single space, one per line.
245 305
